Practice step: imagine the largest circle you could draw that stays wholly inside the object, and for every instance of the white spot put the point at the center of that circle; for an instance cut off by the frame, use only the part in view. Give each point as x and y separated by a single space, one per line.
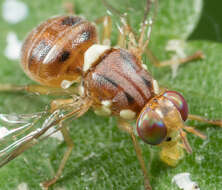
14 11
106 103
3 132
92 54
81 90
156 87
103 111
144 66
127 114
51 55
13 47
66 84
23 186
184 182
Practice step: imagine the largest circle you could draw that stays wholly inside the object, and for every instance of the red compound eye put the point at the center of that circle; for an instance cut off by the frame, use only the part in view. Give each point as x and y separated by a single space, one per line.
150 127
179 102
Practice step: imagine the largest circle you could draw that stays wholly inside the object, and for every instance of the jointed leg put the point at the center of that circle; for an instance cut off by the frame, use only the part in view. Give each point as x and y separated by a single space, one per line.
129 129
38 89
122 37
157 63
107 28
70 145
205 120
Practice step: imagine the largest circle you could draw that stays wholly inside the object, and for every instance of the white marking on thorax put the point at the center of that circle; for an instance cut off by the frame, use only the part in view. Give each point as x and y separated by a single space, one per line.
127 114
156 87
14 11
106 103
66 84
13 48
104 110
184 182
92 54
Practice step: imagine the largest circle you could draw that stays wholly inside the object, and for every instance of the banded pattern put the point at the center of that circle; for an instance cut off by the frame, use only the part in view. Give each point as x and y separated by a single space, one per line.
120 78
54 51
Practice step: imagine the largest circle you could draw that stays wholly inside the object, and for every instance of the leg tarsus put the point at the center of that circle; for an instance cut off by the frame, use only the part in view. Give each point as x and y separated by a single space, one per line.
127 128
70 145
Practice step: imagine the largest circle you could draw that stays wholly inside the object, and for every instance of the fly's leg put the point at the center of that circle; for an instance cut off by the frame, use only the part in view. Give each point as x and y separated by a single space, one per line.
70 146
154 60
107 28
38 89
125 126
191 129
124 31
205 120
122 37
79 107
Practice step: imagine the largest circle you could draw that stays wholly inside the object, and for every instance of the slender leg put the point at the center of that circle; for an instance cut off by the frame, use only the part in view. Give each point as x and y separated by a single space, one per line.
146 25
127 128
107 28
38 89
70 145
122 37
128 31
157 63
205 120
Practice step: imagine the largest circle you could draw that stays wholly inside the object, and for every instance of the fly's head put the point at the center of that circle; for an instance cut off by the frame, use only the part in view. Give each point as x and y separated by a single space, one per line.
161 122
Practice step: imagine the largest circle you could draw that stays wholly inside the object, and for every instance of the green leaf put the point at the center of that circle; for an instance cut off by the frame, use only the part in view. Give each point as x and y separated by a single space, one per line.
103 156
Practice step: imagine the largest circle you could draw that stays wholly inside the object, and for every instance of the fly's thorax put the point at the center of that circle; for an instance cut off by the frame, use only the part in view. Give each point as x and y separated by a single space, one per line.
53 53
117 83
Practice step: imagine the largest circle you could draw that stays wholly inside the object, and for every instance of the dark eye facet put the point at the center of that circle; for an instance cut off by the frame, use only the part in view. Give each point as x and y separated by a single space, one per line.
179 102
151 128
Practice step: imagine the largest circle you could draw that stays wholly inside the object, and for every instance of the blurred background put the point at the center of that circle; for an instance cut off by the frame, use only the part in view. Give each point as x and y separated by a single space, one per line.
210 24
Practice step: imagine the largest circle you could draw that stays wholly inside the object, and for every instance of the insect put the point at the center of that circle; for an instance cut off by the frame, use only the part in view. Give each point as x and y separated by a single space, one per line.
63 54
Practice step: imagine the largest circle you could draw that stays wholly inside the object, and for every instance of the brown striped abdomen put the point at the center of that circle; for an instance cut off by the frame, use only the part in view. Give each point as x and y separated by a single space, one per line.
119 78
54 51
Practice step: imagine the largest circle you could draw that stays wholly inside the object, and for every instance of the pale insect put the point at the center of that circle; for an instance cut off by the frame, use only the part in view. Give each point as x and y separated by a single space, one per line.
65 56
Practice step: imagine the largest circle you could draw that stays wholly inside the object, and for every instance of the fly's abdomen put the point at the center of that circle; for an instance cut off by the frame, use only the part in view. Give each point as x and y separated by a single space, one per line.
54 51
118 84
